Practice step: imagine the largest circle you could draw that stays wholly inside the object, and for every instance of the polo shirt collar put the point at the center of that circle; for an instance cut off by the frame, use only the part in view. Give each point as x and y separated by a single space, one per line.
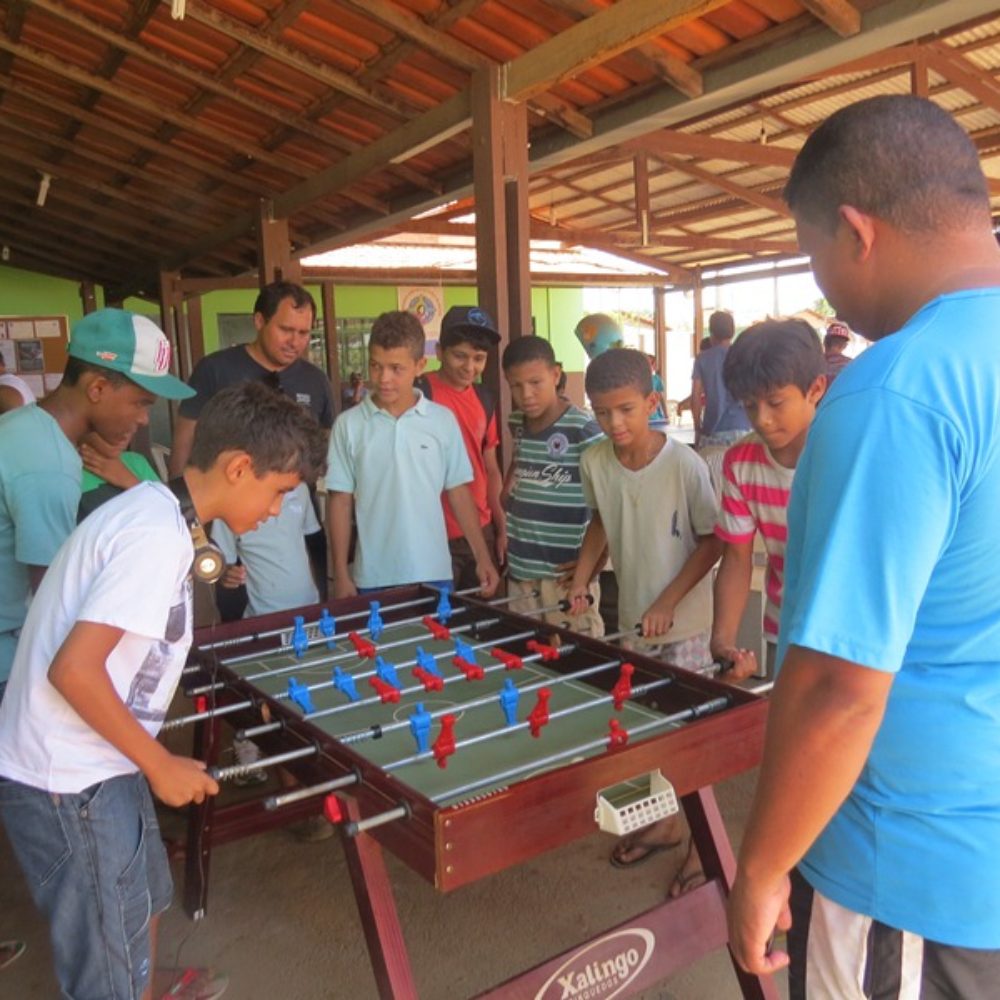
422 406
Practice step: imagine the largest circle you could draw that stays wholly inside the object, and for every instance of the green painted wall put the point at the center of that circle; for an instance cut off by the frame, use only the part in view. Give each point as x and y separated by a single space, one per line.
25 293
556 310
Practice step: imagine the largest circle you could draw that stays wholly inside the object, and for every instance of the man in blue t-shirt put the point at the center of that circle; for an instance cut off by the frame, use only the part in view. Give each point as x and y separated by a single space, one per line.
722 420
880 778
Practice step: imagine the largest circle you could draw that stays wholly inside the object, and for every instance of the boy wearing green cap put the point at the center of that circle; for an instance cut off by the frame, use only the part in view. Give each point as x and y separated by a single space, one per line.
119 362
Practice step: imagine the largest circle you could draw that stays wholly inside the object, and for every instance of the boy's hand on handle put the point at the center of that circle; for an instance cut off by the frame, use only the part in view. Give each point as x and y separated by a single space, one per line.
579 599
744 661
234 576
489 578
756 910
343 586
179 781
658 619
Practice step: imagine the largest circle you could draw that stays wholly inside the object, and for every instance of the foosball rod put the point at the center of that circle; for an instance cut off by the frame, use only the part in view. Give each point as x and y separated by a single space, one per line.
324 661
695 712
526 724
256 636
273 802
235 770
271 727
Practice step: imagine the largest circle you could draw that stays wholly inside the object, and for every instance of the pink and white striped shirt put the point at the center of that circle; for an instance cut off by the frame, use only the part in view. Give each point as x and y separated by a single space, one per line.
755 491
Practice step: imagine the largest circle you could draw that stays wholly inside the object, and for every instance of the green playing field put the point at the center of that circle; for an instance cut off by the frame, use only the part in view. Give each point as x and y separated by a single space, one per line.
508 748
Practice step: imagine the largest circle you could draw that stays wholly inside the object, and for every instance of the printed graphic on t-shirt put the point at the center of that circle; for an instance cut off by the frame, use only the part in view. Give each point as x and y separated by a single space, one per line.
142 692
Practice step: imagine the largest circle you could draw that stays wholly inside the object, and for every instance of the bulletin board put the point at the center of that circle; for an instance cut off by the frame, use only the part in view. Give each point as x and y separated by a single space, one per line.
34 347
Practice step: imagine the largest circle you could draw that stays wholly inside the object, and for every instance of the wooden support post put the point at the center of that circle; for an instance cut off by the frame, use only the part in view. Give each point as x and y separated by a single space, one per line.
171 306
699 314
500 180
274 248
332 344
640 171
919 85
196 330
88 297
660 331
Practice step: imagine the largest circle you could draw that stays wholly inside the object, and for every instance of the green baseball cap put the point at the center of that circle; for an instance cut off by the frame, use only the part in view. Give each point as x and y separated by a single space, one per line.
131 344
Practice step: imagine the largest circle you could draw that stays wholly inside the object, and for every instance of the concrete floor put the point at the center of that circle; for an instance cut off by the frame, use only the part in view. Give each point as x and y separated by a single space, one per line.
282 920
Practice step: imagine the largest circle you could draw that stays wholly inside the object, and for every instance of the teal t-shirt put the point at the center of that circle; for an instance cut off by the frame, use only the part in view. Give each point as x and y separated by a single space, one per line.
893 536
39 496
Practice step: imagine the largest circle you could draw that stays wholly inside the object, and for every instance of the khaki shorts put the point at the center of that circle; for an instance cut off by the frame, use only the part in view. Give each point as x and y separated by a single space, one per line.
551 593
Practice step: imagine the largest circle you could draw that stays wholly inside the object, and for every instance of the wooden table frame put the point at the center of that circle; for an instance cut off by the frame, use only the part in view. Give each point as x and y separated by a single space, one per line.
455 845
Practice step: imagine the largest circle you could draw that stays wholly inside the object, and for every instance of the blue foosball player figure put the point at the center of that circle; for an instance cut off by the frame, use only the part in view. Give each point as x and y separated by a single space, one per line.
300 638
375 624
344 683
420 726
509 696
328 627
427 662
444 609
299 693
385 671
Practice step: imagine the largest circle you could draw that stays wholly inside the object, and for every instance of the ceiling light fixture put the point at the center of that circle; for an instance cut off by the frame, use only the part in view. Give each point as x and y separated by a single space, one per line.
43 190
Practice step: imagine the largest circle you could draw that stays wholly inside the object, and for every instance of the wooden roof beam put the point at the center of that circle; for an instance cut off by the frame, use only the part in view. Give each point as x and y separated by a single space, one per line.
959 71
838 15
707 147
333 78
668 67
600 37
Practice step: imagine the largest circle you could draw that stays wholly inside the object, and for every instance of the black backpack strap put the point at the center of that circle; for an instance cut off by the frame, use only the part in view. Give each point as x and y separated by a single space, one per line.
423 383
488 402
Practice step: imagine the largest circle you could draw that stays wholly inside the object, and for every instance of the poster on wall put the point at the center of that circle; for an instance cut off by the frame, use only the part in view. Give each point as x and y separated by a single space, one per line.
29 356
9 355
427 304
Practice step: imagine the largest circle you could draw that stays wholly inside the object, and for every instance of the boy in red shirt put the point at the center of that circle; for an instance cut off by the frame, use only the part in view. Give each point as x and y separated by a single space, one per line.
467 334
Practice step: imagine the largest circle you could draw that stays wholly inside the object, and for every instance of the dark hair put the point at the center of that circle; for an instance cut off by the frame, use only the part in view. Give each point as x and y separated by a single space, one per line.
896 157
75 370
619 368
721 325
398 329
271 296
478 339
704 344
523 349
277 433
770 355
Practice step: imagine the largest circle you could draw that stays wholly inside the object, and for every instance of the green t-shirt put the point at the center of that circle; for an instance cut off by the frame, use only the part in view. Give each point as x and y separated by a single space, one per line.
96 491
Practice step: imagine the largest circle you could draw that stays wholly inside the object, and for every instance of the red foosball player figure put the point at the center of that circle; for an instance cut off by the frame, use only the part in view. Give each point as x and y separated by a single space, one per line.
431 682
617 735
509 660
385 691
436 629
545 651
444 745
622 690
364 648
539 715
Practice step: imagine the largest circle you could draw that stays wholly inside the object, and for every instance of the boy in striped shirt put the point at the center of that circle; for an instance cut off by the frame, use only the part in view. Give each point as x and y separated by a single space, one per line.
546 510
777 370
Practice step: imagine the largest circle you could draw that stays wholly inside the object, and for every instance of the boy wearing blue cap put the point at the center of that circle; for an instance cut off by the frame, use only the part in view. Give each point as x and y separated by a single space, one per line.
119 362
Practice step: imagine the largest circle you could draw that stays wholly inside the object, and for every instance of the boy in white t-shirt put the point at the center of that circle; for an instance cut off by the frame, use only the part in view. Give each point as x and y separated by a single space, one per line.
655 509
777 371
95 670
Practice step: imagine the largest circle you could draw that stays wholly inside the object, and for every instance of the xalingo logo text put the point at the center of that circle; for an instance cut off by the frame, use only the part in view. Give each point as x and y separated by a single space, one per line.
601 969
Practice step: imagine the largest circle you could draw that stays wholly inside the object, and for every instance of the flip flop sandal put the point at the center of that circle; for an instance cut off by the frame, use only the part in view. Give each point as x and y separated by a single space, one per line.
649 850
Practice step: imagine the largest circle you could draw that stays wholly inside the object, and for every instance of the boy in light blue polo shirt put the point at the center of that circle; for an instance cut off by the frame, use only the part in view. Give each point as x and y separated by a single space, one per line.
391 457
273 561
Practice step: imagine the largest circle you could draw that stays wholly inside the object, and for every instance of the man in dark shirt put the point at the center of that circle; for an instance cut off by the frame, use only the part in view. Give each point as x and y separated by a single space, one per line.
283 316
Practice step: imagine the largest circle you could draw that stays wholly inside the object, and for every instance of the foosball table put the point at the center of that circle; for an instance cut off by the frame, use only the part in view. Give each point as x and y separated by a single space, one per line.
465 739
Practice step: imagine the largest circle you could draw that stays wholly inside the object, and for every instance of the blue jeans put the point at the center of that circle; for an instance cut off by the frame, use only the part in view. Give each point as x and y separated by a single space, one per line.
97 870
440 584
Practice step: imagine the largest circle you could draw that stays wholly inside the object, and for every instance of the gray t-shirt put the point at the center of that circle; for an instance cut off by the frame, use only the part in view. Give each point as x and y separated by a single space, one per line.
301 380
722 412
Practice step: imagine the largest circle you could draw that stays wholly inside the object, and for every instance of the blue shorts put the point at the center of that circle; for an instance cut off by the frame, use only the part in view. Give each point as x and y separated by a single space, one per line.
98 871
439 584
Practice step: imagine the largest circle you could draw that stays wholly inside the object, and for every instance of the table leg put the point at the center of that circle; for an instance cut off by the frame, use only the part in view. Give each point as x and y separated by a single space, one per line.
377 908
